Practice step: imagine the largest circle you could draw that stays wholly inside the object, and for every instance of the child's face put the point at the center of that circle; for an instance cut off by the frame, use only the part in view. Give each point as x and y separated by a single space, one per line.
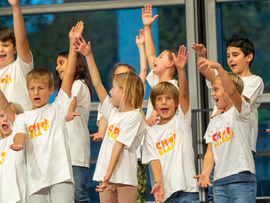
61 66
5 124
7 51
161 63
39 93
165 106
238 62
116 94
221 98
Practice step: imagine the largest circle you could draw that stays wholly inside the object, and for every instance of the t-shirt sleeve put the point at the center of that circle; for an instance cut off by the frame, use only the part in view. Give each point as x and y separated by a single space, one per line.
253 90
244 115
208 83
100 114
184 117
25 67
149 152
129 128
76 90
20 125
106 107
209 132
152 79
62 101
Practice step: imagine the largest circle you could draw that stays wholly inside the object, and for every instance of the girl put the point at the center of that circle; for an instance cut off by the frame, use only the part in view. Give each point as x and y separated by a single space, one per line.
13 179
77 123
116 167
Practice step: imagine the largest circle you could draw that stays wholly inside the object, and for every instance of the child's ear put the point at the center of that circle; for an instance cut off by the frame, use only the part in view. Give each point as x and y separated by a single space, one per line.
15 50
170 64
249 57
51 90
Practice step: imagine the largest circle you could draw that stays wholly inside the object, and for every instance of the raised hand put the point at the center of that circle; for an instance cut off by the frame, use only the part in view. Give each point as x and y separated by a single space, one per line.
158 191
199 49
14 2
82 47
97 137
181 60
203 180
147 15
206 65
71 115
140 38
76 32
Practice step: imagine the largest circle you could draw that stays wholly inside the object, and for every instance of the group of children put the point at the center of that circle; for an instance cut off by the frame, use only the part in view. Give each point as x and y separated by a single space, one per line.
45 151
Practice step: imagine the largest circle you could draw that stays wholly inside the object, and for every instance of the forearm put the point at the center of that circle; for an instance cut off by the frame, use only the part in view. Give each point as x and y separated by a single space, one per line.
149 46
143 63
72 105
20 138
208 161
183 90
227 83
117 148
102 125
157 170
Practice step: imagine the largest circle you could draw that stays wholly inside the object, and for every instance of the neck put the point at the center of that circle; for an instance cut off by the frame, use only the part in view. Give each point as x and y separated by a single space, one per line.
165 78
245 73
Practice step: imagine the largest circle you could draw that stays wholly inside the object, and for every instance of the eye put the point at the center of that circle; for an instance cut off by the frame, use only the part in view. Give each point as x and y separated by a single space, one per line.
2 116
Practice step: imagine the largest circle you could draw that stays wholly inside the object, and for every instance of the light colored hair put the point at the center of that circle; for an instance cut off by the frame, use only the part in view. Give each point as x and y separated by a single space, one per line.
17 108
164 88
133 90
40 74
238 82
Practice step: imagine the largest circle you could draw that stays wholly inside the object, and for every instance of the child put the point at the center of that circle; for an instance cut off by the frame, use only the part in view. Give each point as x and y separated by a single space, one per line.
13 179
13 72
228 138
43 132
77 123
240 55
162 67
116 168
168 144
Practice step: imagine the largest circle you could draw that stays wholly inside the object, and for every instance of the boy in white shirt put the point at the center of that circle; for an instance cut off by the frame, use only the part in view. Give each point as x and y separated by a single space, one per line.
228 138
43 133
13 72
168 144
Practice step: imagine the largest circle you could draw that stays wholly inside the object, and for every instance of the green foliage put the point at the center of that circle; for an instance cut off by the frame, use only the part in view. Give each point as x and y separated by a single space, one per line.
142 177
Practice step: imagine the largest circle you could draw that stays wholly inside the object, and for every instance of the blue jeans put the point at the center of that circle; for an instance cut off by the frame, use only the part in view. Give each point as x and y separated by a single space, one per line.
235 192
183 197
80 179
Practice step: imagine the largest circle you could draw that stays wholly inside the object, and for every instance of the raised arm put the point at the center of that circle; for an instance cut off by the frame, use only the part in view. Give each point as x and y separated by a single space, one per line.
148 19
22 45
85 49
74 35
226 81
5 106
180 63
143 60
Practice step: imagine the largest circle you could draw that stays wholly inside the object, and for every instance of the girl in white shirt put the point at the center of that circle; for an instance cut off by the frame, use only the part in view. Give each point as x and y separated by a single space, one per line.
116 168
77 122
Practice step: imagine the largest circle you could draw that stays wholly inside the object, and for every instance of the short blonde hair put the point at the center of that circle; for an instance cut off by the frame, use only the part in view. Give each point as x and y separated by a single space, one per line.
238 82
17 108
164 88
133 90
40 74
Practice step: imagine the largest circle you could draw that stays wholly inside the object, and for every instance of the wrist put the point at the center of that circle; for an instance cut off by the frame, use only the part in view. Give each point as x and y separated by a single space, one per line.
158 182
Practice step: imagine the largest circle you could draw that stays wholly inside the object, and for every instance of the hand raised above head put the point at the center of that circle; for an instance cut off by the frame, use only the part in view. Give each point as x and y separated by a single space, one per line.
182 57
76 32
147 15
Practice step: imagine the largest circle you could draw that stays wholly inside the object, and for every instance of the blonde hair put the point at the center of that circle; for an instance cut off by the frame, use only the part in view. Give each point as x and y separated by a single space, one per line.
133 90
238 82
17 108
164 88
40 74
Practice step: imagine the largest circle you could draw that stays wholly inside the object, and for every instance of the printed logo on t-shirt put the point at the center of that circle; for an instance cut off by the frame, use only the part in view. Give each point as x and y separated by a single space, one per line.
149 101
167 144
5 79
222 137
36 129
113 131
3 156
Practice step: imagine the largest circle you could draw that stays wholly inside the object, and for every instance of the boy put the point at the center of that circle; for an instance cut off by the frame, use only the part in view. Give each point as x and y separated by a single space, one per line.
13 72
228 138
43 132
168 144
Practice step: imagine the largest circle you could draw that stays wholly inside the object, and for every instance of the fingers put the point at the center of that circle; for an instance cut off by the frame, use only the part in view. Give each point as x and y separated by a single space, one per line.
268 130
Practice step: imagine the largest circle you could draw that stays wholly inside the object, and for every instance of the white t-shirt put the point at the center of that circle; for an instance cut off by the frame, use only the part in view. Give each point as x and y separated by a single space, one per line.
171 143
152 79
78 133
13 177
127 128
47 151
229 133
253 89
13 82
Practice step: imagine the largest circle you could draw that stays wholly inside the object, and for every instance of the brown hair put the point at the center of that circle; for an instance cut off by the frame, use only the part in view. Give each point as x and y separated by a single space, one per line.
41 74
7 34
164 88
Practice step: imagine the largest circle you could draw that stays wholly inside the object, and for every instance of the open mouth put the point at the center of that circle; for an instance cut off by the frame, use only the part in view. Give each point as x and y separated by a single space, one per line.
164 110
233 66
37 99
5 127
2 57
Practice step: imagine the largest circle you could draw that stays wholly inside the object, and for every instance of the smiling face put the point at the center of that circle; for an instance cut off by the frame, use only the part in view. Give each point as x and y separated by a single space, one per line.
238 62
39 92
116 94
61 66
7 51
165 106
221 98
5 124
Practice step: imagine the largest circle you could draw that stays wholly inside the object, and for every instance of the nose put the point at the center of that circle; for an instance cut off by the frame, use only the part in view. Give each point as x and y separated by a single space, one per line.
57 67
212 93
5 118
